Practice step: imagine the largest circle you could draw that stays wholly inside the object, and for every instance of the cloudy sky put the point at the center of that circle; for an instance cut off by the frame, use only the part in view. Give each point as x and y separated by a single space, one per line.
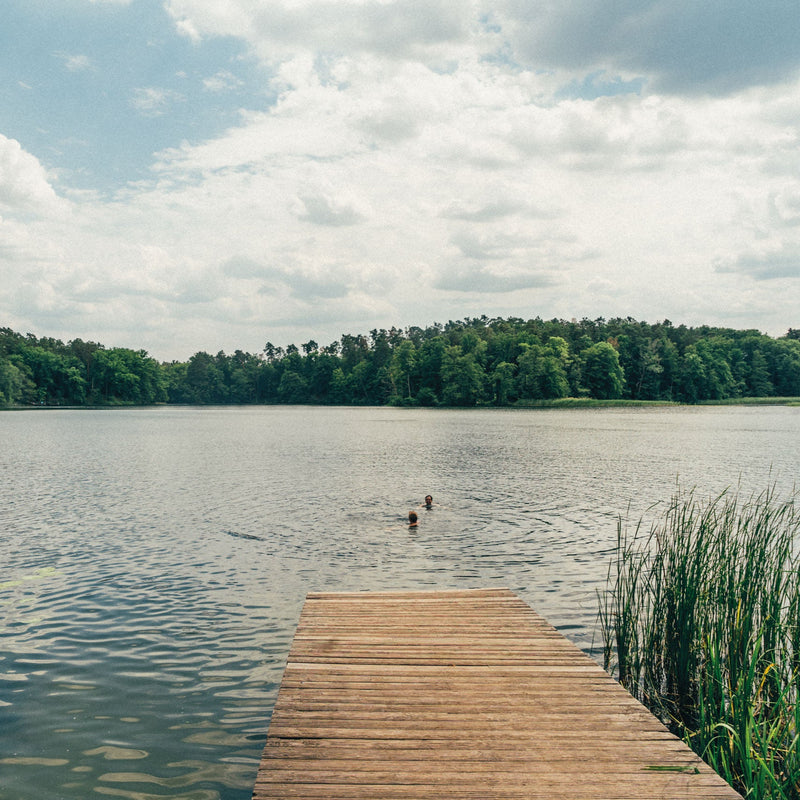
184 175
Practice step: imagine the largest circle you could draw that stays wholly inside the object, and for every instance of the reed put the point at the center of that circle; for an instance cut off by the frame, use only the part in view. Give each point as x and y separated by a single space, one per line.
701 622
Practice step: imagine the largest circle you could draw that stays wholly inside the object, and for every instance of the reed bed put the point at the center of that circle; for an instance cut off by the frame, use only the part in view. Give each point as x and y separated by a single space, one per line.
701 622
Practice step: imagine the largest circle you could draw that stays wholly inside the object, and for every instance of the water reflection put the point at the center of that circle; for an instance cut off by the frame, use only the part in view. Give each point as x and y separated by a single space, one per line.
154 562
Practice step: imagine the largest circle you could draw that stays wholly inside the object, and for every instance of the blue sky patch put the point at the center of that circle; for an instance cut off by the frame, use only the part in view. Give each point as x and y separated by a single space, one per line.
599 84
93 90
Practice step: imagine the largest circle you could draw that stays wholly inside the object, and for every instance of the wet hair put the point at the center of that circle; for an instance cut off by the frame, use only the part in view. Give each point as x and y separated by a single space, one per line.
412 516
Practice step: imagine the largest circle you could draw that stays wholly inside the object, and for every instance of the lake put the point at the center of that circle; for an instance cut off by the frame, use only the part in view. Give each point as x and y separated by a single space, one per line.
153 562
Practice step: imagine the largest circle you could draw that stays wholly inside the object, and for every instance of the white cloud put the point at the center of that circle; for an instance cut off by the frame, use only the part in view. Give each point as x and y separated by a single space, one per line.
579 196
153 101
484 209
75 62
410 170
24 186
465 278
418 29
682 46
767 263
323 209
222 81
785 204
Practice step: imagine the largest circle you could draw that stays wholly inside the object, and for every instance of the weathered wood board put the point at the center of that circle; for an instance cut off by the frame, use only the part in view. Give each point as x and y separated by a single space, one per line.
460 694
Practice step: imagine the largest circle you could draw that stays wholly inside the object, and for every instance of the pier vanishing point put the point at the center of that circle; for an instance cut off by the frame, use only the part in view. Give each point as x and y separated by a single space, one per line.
460 695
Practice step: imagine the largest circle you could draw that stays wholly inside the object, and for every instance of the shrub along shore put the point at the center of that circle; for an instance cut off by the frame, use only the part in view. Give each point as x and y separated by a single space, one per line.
701 622
472 362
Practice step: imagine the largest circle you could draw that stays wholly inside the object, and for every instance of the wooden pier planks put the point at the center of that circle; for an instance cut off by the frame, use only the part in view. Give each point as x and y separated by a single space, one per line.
460 694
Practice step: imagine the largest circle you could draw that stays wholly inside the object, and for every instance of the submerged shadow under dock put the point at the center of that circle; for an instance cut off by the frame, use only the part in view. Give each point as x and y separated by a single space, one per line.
460 694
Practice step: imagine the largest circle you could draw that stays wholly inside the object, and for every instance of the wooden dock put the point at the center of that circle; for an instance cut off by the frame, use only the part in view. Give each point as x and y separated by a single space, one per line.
460 694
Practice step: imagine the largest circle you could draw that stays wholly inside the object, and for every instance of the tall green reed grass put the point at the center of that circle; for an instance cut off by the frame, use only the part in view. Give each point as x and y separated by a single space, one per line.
701 622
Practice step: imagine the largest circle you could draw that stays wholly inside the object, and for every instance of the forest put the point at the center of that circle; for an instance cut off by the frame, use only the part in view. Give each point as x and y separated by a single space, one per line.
470 362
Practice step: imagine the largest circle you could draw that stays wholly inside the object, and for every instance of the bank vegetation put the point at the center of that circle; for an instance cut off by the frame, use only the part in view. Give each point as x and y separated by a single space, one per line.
471 362
701 622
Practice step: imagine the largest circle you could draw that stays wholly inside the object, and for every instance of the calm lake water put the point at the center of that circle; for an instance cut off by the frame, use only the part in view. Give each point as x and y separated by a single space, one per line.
153 562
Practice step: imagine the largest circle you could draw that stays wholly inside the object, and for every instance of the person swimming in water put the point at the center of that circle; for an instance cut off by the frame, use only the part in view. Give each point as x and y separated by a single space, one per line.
412 519
428 501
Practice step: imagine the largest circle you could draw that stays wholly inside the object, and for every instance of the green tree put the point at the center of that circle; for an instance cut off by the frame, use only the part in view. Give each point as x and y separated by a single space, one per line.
530 370
13 383
693 381
358 383
502 345
785 366
640 359
293 388
173 377
503 383
557 361
323 367
715 353
462 378
404 362
543 370
429 369
602 373
273 353
76 385
153 388
242 373
205 383
44 368
117 376
339 389
381 354
354 350
757 378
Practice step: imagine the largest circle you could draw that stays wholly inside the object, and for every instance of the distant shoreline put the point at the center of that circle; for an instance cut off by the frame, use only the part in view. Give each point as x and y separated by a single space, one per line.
562 402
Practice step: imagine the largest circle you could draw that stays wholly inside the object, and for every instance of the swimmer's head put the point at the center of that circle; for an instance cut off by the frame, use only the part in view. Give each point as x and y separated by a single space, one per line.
428 500
412 518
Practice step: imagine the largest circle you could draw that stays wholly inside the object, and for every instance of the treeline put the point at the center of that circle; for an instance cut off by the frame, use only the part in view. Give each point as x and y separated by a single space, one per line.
48 372
470 362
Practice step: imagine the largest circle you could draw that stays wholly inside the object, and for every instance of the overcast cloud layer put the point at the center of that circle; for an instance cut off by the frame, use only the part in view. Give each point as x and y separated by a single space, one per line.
180 175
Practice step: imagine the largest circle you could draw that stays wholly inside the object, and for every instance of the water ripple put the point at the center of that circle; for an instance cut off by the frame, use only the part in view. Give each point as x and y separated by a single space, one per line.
148 602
